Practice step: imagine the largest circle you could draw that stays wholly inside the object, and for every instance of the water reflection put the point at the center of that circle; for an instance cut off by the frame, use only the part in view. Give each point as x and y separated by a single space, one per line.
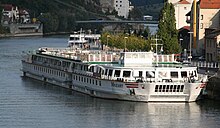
86 111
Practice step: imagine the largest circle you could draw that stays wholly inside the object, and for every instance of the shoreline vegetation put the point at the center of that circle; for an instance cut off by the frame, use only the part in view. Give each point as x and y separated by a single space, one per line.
6 35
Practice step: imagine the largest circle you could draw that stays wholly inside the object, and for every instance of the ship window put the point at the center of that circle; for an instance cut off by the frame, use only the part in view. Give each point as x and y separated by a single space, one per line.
178 88
86 68
174 74
126 73
91 69
171 88
164 87
106 71
167 89
156 88
150 74
160 88
140 73
183 74
110 73
174 88
195 73
117 73
182 87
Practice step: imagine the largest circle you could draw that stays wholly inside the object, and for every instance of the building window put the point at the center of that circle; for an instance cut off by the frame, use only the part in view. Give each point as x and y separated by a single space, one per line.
201 17
201 25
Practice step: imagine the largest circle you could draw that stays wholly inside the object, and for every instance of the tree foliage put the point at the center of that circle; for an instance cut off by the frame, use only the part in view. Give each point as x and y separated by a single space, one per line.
59 15
135 14
1 28
122 41
167 29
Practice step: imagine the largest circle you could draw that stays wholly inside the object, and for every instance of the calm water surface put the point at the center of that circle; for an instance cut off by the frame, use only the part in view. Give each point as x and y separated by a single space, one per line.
27 103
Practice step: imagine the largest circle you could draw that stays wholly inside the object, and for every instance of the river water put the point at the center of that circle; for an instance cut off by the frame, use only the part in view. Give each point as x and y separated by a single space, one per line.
27 103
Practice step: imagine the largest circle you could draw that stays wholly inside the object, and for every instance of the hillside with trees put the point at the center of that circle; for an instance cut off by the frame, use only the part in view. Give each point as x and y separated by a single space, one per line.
59 15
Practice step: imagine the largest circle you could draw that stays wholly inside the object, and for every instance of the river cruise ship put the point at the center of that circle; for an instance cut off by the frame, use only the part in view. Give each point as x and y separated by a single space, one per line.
132 76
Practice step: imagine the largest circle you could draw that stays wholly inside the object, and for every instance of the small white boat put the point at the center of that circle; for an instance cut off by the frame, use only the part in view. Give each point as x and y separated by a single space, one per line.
81 39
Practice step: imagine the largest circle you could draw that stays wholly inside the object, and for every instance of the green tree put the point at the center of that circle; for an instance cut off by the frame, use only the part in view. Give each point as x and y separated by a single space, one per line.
1 28
146 33
135 14
50 22
167 29
132 42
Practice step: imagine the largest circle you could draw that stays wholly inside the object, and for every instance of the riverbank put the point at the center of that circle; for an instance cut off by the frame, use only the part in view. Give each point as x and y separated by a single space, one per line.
20 35
33 34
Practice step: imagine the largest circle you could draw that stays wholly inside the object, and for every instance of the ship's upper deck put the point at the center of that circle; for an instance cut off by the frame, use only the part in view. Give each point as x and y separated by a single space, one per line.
113 58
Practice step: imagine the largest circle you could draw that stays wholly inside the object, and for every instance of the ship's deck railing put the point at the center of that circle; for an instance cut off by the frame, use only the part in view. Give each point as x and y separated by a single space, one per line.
83 55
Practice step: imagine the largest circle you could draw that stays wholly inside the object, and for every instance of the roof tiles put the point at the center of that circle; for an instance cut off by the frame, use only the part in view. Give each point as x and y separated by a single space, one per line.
210 4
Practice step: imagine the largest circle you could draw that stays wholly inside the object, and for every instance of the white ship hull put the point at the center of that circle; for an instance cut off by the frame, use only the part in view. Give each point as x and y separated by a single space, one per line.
132 76
140 92
110 89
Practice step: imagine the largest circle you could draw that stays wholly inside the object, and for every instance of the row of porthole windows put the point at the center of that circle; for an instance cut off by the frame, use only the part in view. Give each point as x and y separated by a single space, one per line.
169 88
49 71
87 80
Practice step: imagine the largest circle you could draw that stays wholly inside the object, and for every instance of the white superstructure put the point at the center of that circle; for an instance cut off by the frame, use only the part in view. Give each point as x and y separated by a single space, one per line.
133 76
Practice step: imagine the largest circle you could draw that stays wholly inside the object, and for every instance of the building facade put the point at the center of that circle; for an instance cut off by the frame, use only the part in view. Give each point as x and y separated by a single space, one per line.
122 7
212 44
182 7
209 17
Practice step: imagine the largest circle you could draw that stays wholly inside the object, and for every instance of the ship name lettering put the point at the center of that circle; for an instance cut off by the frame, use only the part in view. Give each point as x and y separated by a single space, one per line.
117 85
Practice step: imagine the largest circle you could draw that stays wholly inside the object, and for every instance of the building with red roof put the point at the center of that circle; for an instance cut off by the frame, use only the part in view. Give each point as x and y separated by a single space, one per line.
10 13
207 17
209 4
182 7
